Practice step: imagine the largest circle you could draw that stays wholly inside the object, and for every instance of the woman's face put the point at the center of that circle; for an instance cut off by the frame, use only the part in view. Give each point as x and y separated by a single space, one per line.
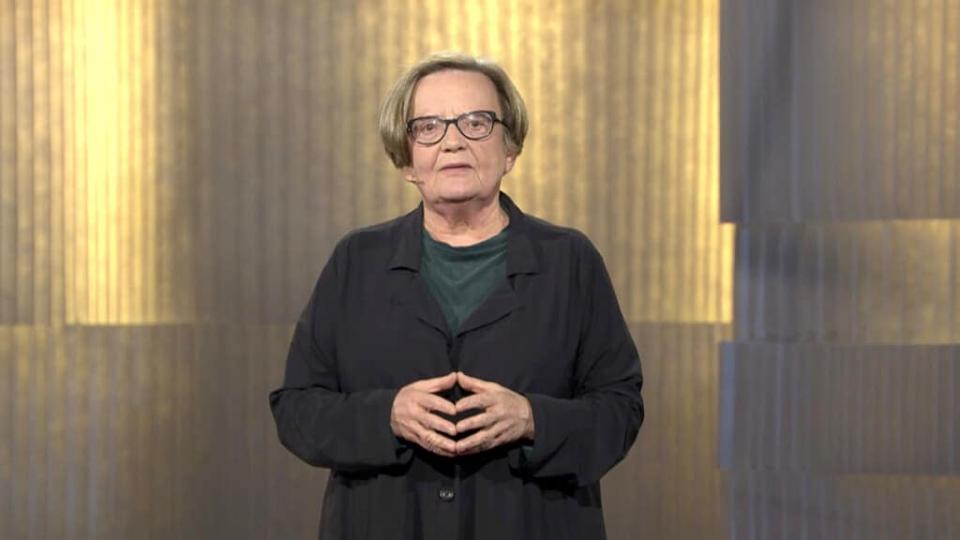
457 169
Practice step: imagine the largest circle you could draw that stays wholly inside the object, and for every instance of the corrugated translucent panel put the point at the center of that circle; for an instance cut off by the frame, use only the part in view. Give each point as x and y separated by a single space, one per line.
118 431
151 421
163 432
819 408
174 174
90 164
164 162
865 282
670 485
807 507
839 124
840 110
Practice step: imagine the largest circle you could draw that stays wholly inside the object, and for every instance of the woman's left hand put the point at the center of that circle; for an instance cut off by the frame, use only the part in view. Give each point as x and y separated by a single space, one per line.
505 416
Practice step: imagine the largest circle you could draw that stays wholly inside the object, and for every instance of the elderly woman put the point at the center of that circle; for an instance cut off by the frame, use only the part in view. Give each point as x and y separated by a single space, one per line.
464 371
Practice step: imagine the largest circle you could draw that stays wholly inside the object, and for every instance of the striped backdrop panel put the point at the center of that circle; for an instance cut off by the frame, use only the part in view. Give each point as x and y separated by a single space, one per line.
173 175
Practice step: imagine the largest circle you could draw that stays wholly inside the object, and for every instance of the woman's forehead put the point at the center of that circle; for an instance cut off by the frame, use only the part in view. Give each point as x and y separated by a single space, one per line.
452 92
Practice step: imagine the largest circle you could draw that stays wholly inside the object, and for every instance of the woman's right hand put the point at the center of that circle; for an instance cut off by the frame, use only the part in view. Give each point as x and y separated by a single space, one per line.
413 415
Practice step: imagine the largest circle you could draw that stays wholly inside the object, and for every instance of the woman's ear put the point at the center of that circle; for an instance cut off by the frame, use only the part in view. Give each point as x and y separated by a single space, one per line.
408 174
508 163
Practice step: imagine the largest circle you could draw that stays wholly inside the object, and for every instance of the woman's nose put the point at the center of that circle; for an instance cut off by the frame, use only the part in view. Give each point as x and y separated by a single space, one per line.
452 139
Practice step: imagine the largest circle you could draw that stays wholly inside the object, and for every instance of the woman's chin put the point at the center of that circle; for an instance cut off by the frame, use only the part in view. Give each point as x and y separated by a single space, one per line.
455 195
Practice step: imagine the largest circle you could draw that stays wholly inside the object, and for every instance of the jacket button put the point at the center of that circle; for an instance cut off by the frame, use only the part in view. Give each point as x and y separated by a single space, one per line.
446 494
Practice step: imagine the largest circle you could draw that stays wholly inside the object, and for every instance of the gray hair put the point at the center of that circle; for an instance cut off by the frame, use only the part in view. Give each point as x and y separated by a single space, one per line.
396 107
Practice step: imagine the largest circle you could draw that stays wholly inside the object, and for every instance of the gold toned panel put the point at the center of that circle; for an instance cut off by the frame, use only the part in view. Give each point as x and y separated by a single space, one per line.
174 174
125 432
623 145
107 178
8 159
208 178
80 186
670 482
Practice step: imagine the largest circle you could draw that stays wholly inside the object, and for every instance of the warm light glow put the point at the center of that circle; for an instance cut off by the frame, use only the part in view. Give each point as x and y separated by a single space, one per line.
624 139
110 275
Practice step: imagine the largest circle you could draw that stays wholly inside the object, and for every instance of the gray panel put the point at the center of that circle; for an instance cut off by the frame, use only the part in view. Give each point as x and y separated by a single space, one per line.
839 110
840 409
838 122
872 282
765 505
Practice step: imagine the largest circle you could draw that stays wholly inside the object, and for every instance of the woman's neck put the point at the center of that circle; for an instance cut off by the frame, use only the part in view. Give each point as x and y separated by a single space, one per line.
464 224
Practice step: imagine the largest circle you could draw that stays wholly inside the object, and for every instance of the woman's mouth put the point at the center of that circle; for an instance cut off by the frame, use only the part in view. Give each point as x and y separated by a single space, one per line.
455 167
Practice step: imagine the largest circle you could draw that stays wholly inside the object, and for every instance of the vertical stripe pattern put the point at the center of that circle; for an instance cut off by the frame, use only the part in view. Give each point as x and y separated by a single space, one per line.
839 140
173 175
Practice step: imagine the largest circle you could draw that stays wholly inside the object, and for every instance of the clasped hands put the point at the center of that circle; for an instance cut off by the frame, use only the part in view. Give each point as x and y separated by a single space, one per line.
505 416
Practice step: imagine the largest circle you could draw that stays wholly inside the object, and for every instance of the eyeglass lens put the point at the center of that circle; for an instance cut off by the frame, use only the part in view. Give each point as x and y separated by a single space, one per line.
472 125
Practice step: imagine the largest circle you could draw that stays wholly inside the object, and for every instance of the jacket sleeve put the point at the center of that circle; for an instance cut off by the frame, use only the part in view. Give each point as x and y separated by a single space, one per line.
317 421
581 438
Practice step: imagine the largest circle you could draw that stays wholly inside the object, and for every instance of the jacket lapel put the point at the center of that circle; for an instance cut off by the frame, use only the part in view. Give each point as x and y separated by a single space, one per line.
411 292
413 295
500 303
523 257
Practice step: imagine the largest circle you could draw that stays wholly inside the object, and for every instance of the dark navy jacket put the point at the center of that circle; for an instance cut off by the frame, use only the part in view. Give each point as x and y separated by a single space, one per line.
552 331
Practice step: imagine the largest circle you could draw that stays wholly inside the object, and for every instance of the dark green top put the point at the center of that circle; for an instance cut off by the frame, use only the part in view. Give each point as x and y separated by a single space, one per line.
460 278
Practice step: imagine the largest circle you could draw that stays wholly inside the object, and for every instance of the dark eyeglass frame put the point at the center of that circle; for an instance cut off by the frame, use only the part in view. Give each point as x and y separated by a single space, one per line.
456 122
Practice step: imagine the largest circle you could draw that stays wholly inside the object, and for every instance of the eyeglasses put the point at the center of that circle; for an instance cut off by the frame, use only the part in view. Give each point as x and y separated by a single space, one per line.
474 125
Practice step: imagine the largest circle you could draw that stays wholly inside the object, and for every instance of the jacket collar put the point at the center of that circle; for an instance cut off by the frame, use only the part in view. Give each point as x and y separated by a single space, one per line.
523 251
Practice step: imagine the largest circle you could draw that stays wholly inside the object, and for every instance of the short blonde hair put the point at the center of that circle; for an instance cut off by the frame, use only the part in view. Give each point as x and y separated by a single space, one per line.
396 107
